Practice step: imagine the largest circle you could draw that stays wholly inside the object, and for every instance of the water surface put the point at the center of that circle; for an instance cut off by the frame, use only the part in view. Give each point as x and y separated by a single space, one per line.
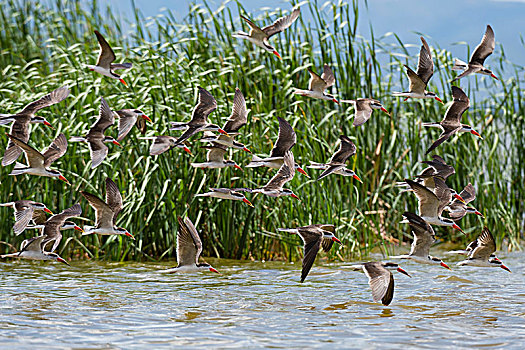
255 304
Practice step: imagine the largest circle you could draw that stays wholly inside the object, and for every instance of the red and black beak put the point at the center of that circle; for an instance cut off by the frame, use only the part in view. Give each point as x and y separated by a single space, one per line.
445 265
48 211
505 268
403 271
247 202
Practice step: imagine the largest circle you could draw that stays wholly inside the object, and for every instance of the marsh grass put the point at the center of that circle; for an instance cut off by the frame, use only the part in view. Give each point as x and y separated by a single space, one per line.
44 47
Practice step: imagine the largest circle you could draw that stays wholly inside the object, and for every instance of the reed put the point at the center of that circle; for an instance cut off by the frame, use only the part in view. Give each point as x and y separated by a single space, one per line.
44 47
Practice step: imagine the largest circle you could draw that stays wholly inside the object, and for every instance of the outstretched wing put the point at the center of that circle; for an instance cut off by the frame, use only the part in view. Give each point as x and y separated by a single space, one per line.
282 23
425 66
285 139
106 55
56 150
113 198
189 244
485 47
50 99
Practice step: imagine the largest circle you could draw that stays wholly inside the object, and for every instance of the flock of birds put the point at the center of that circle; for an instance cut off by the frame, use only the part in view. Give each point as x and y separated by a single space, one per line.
430 188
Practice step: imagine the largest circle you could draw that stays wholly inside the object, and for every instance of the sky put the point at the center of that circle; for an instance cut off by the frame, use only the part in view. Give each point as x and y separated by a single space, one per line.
446 21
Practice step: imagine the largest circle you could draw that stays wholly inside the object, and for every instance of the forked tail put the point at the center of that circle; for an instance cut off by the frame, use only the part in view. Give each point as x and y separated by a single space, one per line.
19 169
255 162
459 65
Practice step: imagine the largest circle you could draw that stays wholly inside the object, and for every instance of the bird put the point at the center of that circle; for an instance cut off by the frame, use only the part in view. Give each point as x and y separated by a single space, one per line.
225 193
33 249
106 57
128 118
274 187
431 204
480 54
470 247
314 237
419 80
380 279
25 211
457 209
39 163
285 141
424 237
482 254
436 167
205 106
318 84
451 123
259 37
337 162
164 143
364 108
20 121
40 218
189 249
51 227
215 159
237 119
95 137
106 212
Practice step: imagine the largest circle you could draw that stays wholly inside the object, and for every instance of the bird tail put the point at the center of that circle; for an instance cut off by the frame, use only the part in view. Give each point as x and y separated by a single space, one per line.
77 139
202 195
461 252
256 162
399 93
8 204
459 65
405 221
240 34
12 255
178 126
435 124
289 230
19 169
198 165
314 165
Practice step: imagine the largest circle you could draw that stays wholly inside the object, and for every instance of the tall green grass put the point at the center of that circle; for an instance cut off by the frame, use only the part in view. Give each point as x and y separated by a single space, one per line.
44 47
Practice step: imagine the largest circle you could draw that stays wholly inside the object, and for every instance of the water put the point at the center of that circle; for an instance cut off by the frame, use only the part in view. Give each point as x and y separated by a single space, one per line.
255 304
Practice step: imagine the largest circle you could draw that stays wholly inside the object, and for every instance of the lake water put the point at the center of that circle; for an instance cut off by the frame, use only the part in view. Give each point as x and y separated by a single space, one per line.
99 305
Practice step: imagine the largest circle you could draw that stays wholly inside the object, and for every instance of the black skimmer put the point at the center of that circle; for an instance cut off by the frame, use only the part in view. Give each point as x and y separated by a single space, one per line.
318 84
260 36
20 121
470 247
51 227
337 162
25 210
424 237
274 187
481 52
225 193
199 116
189 249
451 123
285 141
106 57
431 204
419 80
128 118
457 209
380 279
95 138
215 159
436 167
39 163
482 254
163 144
364 108
235 122
106 212
33 249
314 237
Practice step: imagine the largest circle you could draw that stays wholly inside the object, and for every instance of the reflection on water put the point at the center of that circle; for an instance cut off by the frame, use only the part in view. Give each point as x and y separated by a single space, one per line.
130 305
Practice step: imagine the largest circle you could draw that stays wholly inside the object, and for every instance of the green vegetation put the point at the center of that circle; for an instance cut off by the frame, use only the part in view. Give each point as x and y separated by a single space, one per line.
44 47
